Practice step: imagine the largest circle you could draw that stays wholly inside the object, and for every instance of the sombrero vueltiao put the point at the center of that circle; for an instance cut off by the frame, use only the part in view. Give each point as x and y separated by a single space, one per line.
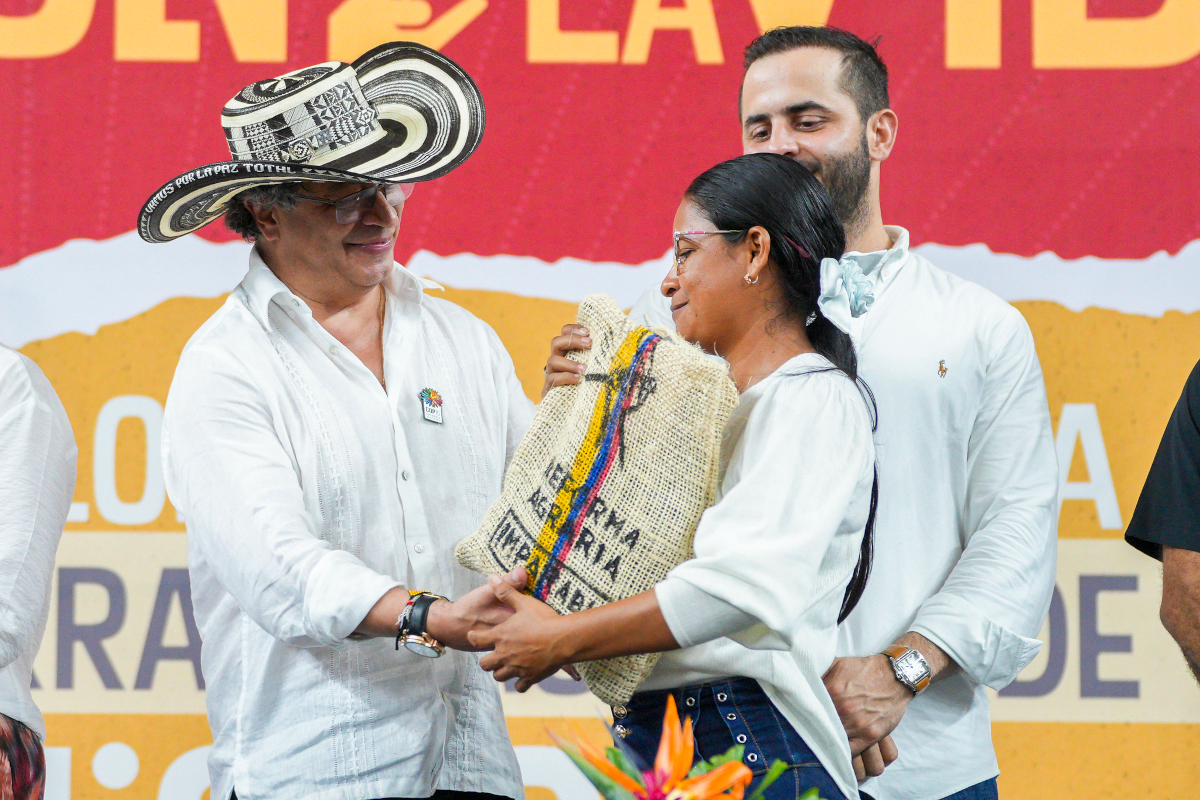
401 112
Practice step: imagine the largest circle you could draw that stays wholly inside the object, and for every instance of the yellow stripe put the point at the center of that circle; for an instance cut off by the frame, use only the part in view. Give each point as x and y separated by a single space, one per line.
583 459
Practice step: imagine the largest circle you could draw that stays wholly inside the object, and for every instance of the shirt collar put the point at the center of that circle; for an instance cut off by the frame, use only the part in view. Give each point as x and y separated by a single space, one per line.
894 256
261 286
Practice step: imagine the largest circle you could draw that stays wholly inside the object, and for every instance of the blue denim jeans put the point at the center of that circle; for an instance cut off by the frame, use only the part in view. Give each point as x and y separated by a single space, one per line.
724 714
980 791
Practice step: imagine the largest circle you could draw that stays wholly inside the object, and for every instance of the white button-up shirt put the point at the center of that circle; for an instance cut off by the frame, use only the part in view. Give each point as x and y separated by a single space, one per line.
965 535
309 491
776 551
37 481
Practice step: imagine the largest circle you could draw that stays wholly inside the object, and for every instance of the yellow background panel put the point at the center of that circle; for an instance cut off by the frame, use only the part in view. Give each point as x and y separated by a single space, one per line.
1097 761
1133 368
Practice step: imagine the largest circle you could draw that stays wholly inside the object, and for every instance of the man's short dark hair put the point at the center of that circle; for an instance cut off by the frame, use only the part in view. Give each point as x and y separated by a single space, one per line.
239 219
864 75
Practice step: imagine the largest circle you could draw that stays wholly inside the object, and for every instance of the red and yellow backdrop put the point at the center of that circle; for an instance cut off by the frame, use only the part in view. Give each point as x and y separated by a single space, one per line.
1047 150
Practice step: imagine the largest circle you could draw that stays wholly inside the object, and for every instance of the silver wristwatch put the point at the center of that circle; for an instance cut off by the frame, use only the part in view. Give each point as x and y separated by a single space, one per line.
910 667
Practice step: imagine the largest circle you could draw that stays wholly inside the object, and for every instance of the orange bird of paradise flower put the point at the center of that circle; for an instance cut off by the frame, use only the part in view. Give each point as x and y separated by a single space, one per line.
618 779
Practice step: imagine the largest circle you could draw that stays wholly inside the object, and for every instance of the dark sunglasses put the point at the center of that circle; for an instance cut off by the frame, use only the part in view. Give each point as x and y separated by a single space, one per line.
350 209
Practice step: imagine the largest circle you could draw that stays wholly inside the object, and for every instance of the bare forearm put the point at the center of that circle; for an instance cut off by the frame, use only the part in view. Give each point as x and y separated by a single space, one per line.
445 621
1180 609
633 625
940 664
381 619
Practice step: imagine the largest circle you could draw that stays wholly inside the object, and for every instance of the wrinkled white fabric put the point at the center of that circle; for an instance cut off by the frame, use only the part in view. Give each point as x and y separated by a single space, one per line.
965 538
308 492
37 482
777 550
845 292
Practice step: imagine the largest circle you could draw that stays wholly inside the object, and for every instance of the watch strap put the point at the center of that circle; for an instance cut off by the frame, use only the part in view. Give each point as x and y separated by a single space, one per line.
404 625
419 616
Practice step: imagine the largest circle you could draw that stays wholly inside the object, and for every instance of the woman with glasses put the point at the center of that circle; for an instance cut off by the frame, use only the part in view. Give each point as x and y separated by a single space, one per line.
747 627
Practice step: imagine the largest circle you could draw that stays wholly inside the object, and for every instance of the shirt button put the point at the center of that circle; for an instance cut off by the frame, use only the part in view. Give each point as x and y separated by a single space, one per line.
295 302
333 349
406 474
420 548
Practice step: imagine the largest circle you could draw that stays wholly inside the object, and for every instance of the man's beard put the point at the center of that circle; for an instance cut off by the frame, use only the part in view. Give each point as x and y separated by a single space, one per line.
847 178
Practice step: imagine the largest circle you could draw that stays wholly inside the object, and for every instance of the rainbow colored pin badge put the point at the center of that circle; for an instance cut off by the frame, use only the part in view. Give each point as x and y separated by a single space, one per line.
431 405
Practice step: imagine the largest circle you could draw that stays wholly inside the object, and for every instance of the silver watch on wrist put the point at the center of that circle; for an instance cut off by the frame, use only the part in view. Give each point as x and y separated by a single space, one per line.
910 667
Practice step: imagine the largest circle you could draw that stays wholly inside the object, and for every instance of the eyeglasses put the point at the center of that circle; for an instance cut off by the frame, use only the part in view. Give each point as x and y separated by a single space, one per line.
679 256
677 234
350 209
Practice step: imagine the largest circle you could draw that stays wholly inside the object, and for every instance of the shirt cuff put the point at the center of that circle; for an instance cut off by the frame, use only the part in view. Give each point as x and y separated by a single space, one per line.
989 653
695 616
341 591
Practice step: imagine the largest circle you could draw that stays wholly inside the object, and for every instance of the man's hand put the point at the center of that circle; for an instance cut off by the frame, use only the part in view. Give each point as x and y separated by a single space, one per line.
526 646
560 370
874 759
868 698
478 610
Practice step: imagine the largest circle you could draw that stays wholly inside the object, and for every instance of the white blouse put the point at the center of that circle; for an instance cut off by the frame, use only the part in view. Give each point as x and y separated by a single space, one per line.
37 481
968 503
309 491
777 550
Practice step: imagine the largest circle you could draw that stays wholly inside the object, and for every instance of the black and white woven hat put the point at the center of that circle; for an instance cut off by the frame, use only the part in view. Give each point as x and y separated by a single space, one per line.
401 112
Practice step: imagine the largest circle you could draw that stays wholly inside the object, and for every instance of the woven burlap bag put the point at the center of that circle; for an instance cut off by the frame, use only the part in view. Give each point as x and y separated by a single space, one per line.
604 492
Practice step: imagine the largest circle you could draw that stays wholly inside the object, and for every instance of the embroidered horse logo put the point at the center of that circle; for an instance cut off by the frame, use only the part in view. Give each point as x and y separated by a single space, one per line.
942 370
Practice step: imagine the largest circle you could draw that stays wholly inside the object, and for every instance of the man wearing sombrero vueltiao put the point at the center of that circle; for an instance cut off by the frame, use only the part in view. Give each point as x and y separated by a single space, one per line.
330 434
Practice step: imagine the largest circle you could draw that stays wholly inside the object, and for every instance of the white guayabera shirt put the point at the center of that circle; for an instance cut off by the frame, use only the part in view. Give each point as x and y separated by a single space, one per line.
37 482
965 537
308 493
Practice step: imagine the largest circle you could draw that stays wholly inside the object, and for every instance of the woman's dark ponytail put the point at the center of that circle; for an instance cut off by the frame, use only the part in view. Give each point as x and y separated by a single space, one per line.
782 196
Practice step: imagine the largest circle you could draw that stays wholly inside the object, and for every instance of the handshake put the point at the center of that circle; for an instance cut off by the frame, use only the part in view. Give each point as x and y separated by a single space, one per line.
519 631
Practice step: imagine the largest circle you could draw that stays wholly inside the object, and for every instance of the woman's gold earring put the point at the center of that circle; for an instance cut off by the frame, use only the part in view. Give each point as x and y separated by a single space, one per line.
751 281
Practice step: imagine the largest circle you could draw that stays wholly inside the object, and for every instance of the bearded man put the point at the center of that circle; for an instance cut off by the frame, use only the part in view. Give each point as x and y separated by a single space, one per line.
965 536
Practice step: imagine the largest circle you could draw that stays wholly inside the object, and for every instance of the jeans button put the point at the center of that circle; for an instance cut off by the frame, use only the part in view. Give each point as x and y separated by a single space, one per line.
741 738
620 712
731 716
691 701
722 697
621 730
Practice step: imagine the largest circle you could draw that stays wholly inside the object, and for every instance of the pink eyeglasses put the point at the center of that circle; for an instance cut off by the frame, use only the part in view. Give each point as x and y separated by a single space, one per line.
677 234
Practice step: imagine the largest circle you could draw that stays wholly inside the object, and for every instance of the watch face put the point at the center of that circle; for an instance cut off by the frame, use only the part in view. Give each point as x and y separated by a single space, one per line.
415 645
912 668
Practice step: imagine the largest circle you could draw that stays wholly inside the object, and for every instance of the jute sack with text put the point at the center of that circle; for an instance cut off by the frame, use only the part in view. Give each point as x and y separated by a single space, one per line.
604 493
